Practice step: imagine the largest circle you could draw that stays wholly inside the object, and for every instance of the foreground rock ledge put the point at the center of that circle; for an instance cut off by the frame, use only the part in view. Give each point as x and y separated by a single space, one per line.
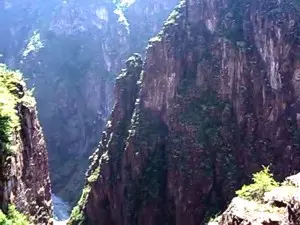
281 206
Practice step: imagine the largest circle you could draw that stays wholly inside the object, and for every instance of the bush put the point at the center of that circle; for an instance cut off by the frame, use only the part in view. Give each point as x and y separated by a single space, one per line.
13 217
9 121
12 93
263 182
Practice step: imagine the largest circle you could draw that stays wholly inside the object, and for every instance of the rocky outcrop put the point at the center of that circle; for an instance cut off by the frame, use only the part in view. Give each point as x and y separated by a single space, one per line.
218 98
71 52
243 211
280 206
113 139
24 175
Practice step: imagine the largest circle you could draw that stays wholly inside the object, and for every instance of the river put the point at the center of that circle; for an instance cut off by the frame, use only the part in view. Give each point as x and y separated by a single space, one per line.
61 210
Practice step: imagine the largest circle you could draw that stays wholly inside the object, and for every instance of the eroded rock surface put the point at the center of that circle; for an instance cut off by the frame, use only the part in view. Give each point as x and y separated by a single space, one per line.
217 99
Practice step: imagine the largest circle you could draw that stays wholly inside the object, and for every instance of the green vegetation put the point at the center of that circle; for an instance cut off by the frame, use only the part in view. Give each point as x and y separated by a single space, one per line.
12 93
9 121
77 215
204 115
13 217
93 177
149 186
263 182
208 125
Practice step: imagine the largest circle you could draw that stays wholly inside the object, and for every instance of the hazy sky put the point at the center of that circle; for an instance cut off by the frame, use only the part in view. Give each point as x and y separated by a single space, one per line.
126 2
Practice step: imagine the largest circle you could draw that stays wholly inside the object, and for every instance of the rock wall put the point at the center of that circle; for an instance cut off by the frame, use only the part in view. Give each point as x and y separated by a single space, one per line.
71 52
218 98
24 171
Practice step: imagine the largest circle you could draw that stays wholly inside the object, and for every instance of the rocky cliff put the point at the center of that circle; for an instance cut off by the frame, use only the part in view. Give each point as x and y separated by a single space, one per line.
71 52
217 98
24 175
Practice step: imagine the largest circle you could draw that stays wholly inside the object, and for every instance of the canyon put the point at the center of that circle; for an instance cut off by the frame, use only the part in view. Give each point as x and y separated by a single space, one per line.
206 98
70 52
216 98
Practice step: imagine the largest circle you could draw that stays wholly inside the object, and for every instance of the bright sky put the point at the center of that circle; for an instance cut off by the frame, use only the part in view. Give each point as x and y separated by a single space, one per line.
126 3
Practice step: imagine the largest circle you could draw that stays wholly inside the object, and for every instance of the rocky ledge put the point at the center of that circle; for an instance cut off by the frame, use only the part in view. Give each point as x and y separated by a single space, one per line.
280 206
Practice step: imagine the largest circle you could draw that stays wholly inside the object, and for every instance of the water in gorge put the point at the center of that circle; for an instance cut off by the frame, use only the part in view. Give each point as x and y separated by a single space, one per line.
61 210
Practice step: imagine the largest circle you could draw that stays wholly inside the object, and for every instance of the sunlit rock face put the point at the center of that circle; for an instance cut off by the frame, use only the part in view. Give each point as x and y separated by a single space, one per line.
24 170
218 97
71 51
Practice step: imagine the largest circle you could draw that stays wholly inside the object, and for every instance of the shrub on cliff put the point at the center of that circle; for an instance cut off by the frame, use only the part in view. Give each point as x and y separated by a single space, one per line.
263 182
13 217
12 92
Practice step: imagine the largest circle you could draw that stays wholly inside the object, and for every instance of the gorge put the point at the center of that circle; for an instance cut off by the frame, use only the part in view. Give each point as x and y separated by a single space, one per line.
214 101
71 52
208 95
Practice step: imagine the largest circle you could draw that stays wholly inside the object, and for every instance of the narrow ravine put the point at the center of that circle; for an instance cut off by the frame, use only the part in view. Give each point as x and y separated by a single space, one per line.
61 210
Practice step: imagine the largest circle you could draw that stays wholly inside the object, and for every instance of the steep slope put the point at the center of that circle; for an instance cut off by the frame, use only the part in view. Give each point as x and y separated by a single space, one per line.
24 176
71 52
218 98
113 140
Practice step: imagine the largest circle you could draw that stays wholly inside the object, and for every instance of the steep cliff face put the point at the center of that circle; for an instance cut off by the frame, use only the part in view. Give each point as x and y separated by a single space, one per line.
113 139
218 98
71 52
24 176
